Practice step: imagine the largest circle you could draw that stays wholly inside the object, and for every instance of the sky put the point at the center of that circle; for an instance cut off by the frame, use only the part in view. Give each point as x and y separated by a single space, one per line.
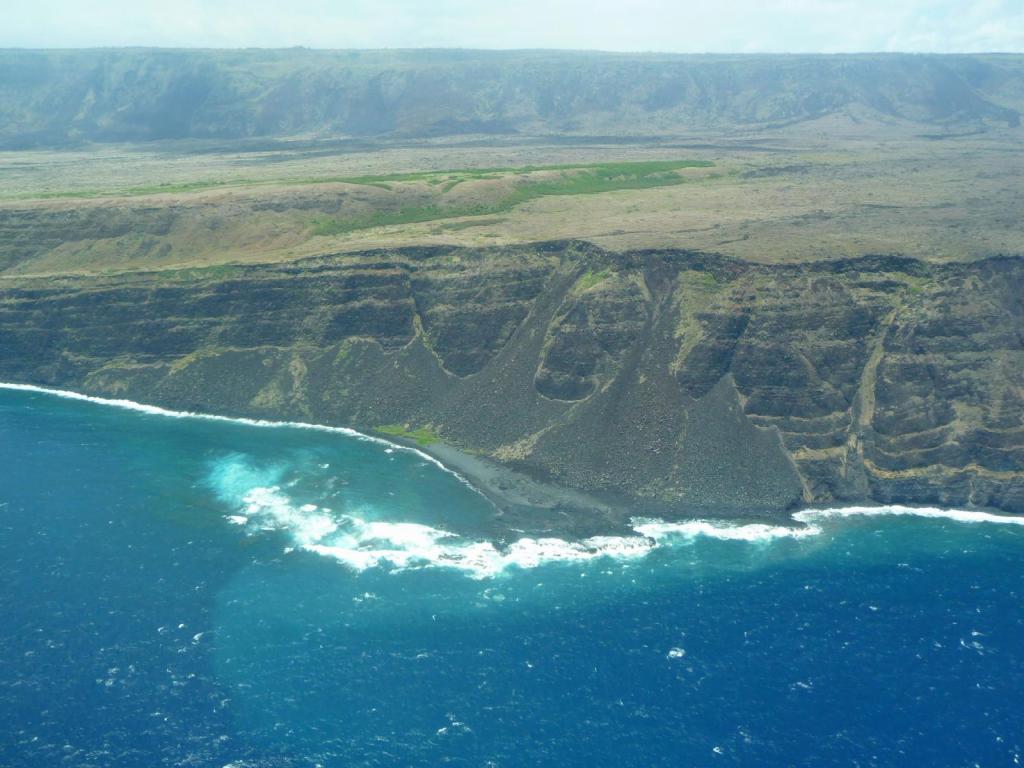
829 26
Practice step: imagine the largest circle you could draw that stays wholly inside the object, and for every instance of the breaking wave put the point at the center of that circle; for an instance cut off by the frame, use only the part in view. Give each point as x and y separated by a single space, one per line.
361 544
257 502
155 410
811 516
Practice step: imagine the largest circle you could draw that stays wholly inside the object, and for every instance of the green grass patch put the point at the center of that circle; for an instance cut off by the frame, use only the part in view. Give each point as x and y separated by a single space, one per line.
918 285
149 189
707 280
587 179
423 436
590 279
606 170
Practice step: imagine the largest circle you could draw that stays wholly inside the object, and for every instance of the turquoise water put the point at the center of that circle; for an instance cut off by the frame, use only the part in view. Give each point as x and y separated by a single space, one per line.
180 591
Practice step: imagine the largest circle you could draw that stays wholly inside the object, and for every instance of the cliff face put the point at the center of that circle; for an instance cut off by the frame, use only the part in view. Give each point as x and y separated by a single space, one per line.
668 380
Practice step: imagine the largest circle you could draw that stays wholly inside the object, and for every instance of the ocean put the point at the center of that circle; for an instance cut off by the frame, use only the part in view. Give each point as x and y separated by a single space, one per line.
189 591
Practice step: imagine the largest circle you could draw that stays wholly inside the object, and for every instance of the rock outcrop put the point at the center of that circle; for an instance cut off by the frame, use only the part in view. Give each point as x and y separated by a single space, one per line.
664 380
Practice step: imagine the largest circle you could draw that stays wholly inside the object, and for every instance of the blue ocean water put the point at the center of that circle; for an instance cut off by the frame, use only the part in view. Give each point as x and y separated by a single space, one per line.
181 592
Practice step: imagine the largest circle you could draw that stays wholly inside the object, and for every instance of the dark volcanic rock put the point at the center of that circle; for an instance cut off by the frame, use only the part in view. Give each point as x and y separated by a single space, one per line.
665 380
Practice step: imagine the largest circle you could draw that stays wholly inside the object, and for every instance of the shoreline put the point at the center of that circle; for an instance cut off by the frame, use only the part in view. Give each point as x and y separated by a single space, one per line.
522 503
527 507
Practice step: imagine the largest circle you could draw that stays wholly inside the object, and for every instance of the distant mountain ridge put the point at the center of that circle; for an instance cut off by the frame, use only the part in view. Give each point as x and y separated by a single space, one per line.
62 97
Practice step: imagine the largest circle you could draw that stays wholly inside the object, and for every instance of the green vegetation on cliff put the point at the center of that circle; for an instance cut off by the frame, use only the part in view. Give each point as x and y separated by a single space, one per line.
279 237
589 279
422 435
687 380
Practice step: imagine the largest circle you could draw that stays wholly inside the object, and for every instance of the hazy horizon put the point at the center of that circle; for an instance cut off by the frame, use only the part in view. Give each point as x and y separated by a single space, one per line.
471 49
646 26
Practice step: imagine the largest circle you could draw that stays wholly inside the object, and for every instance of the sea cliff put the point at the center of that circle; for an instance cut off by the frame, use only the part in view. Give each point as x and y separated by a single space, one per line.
653 380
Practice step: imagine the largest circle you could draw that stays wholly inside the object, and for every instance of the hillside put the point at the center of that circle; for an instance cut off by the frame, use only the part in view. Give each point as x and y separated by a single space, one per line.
725 284
662 380
63 98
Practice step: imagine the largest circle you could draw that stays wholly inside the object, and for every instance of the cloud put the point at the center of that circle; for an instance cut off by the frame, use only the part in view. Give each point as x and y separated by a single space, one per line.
641 25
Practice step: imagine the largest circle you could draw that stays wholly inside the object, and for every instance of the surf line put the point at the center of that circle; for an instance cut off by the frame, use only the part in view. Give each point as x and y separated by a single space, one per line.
651 528
155 410
812 515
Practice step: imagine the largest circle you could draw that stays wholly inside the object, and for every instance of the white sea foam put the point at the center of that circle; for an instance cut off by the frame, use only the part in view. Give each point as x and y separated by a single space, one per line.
260 504
362 544
154 410
809 516
664 532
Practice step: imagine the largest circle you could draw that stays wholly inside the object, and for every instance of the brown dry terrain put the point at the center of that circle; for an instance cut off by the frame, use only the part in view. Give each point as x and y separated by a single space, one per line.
798 196
742 315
